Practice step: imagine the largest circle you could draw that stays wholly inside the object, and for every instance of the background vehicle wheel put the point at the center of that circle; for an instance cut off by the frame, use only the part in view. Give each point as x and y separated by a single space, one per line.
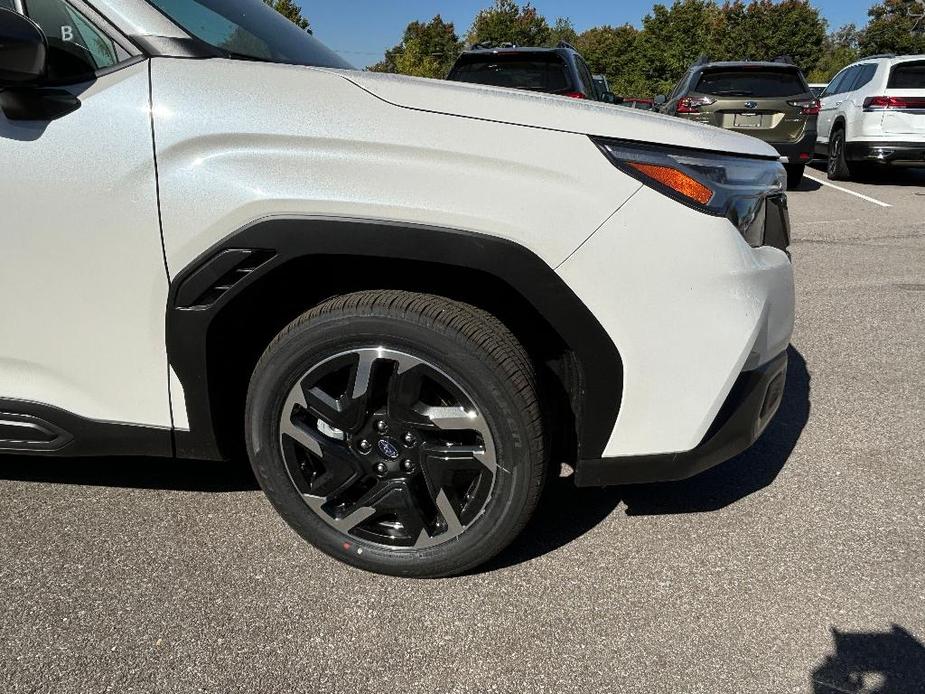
839 169
794 175
398 432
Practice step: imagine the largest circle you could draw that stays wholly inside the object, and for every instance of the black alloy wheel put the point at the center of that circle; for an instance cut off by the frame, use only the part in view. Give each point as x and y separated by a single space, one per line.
398 432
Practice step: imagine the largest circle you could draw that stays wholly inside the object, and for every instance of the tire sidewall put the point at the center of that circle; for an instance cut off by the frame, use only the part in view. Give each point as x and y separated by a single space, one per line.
311 343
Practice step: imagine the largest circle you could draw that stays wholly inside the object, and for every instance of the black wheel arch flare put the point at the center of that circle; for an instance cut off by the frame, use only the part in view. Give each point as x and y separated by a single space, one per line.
205 288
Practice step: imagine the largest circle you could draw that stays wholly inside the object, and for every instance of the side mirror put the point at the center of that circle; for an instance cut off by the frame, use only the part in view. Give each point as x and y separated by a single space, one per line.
23 50
661 100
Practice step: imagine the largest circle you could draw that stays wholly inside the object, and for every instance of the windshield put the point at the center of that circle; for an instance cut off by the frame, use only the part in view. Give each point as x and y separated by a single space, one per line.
249 29
537 72
764 82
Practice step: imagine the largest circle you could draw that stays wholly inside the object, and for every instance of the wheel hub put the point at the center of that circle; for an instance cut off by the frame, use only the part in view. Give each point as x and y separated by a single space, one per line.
413 462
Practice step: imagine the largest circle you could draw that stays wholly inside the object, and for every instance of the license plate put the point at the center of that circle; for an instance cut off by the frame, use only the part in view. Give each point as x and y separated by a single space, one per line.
748 120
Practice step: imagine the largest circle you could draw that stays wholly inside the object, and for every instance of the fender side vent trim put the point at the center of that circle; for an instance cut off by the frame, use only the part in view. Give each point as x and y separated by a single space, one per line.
22 432
218 275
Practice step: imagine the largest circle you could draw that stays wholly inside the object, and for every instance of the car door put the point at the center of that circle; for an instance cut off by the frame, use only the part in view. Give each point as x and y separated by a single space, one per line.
831 100
83 284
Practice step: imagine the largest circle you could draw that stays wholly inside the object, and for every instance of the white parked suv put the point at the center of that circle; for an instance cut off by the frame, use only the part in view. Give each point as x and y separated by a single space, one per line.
873 113
404 299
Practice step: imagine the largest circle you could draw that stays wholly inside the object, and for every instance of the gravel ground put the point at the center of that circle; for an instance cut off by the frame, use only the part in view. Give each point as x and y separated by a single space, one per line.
798 567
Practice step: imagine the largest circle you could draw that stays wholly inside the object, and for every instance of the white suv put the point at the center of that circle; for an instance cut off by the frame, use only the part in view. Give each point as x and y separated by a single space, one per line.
873 112
404 299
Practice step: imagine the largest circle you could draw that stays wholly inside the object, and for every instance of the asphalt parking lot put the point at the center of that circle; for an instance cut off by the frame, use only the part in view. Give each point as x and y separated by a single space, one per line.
798 567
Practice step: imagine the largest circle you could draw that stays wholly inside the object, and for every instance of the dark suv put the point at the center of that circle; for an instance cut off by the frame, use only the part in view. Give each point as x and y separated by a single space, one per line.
559 70
770 101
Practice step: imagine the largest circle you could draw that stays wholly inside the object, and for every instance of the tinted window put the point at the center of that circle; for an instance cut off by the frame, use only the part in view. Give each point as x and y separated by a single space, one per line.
840 84
908 76
249 29
764 82
534 72
76 48
587 80
864 75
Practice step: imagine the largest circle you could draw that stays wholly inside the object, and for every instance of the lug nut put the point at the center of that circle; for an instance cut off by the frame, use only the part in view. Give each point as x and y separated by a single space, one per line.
365 446
407 466
408 439
381 469
382 426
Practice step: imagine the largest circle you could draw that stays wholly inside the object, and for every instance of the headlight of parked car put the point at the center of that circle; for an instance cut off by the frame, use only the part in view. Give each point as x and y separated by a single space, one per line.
718 184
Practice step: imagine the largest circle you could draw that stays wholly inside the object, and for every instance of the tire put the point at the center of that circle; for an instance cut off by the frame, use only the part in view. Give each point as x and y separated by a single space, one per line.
839 169
794 175
400 433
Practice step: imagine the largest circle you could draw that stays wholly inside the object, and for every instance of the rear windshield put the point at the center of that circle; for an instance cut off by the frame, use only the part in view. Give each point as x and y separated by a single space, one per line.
763 82
908 76
534 72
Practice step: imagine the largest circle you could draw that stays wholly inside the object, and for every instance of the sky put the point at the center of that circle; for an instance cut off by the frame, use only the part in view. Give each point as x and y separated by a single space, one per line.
361 30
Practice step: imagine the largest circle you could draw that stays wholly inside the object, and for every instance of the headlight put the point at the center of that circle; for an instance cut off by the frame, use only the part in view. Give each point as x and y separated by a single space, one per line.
716 184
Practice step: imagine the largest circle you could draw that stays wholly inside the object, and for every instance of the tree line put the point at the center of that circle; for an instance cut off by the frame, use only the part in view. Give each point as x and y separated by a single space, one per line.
651 59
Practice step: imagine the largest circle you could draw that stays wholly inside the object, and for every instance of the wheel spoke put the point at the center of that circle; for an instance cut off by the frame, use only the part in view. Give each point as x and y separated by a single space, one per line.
338 470
396 500
347 410
404 392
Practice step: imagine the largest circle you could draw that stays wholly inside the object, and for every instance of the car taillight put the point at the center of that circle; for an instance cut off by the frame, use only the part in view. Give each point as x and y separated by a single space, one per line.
693 104
809 107
893 103
575 95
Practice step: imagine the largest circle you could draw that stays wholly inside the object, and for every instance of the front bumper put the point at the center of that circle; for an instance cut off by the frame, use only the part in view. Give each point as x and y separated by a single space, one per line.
799 152
744 417
673 287
886 152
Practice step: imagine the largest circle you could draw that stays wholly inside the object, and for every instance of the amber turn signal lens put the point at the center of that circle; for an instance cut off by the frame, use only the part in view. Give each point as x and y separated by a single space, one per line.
678 181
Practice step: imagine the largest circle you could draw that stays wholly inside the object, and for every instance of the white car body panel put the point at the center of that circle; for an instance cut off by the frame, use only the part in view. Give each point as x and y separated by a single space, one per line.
553 113
81 264
682 349
350 154
686 301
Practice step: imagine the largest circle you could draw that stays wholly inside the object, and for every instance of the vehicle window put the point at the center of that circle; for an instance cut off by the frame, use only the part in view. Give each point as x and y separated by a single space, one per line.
850 76
832 89
864 75
76 48
763 82
6 5
251 30
535 73
587 80
908 76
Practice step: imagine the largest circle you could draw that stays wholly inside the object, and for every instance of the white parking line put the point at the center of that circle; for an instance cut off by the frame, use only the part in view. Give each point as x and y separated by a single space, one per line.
850 192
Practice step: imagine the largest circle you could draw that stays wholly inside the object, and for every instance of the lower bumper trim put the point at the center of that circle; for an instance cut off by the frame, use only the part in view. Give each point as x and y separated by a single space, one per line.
746 414
887 152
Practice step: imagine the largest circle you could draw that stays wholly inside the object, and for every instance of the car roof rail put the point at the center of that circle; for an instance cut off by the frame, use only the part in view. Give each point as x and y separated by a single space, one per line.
784 59
482 46
566 44
879 55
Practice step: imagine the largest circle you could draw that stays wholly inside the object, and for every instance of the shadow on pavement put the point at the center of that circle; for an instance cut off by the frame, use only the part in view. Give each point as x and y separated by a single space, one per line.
877 663
133 473
807 185
566 512
881 176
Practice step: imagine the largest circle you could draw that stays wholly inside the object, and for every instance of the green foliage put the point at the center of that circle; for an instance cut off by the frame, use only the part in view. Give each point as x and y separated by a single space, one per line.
427 50
672 38
764 30
508 22
650 60
890 29
841 48
562 30
290 11
611 51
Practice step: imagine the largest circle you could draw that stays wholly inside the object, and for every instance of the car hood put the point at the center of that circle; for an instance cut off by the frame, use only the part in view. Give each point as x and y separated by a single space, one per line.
549 112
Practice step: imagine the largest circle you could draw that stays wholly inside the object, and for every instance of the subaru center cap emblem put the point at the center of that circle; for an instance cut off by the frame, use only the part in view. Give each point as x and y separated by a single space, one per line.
751 104
389 449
